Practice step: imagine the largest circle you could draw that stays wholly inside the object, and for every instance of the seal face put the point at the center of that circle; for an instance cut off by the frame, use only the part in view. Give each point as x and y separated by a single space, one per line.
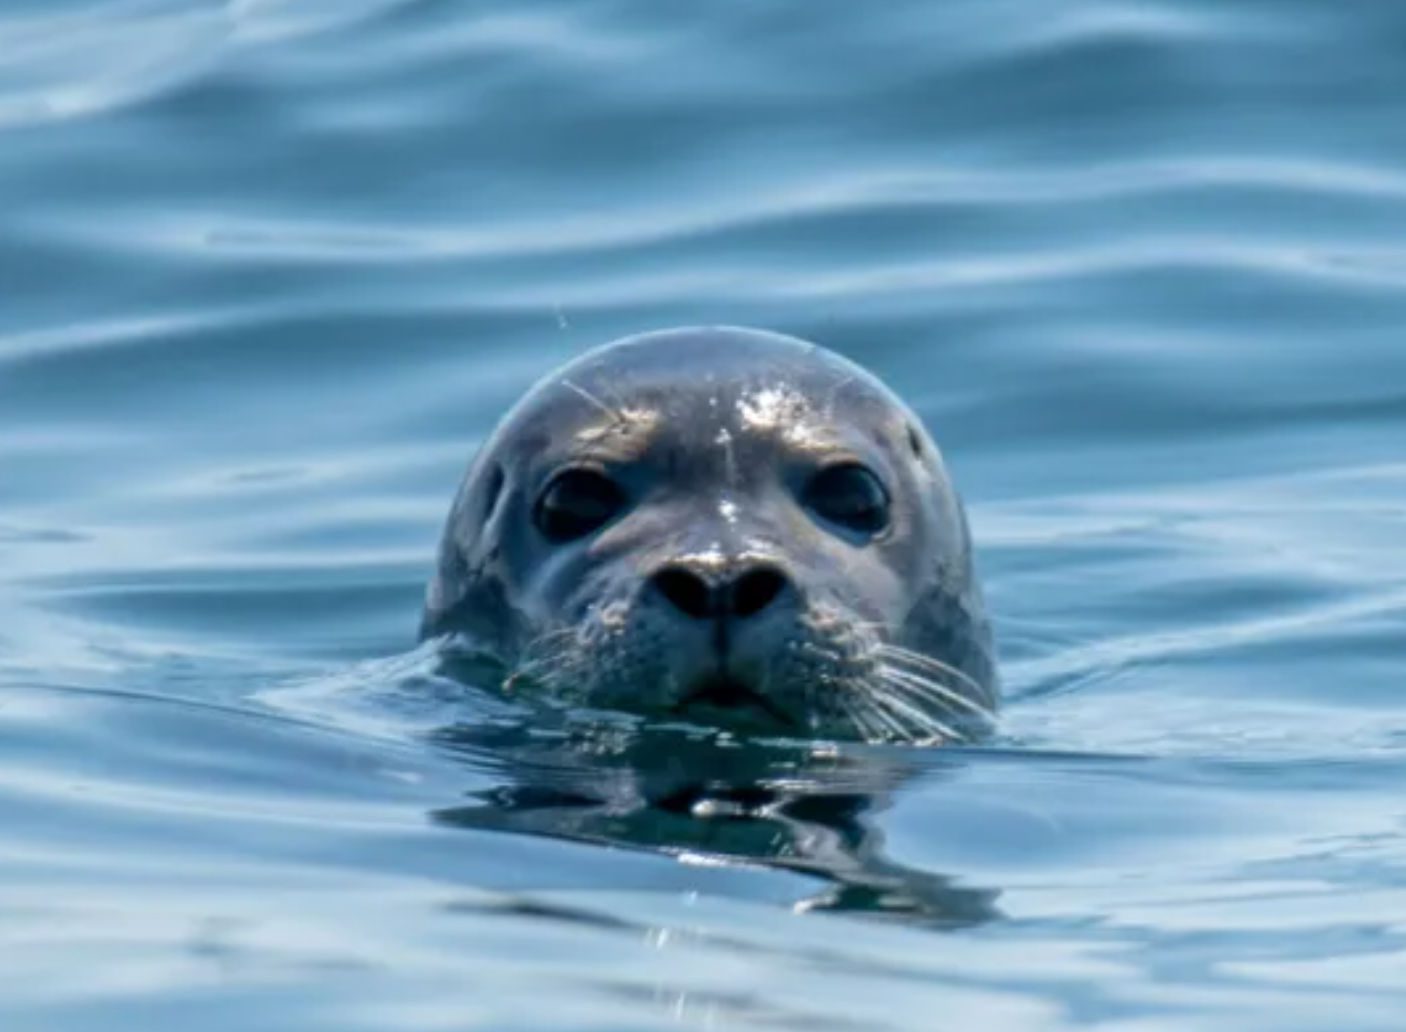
721 525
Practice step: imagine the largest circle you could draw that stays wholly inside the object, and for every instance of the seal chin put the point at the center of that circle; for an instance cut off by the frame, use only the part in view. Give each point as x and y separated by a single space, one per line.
735 697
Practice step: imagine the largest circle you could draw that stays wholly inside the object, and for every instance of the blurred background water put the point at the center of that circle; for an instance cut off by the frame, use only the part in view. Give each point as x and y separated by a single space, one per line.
270 269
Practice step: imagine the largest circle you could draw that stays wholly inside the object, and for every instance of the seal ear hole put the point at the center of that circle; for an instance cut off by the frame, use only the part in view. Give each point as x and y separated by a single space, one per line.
915 441
493 492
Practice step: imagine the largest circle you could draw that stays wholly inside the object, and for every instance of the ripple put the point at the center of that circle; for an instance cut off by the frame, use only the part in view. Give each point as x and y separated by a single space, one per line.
84 63
785 209
272 269
282 21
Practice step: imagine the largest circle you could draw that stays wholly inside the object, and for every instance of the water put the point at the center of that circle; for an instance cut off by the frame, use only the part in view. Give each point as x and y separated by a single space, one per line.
270 269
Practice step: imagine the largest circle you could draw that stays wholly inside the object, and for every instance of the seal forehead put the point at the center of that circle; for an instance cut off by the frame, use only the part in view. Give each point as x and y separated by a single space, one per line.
707 356
784 411
625 427
626 419
705 405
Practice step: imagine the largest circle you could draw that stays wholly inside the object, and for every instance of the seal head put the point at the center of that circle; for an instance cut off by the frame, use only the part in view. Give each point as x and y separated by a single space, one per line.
722 525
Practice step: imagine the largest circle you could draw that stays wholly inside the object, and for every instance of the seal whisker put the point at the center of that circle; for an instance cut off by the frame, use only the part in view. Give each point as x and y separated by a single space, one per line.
893 727
547 637
868 727
917 659
933 691
940 715
924 720
887 718
860 718
548 640
548 660
560 683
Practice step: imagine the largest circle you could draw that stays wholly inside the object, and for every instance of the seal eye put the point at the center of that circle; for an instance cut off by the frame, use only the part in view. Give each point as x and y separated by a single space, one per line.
850 495
576 502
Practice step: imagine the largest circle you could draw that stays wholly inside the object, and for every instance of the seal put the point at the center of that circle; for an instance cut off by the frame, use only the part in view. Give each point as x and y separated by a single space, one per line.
723 526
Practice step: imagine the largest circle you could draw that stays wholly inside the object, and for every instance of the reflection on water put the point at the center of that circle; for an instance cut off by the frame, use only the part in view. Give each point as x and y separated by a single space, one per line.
705 798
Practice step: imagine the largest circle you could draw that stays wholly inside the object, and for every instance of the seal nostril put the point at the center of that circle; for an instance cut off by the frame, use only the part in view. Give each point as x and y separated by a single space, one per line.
689 593
755 590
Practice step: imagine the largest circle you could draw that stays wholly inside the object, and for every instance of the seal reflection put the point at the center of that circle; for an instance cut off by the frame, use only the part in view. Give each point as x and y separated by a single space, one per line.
804 807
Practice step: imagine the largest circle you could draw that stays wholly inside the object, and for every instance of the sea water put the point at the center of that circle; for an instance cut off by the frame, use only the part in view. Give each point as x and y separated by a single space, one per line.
271 269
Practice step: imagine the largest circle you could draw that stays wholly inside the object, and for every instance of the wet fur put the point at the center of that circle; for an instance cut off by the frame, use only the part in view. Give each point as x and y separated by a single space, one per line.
838 667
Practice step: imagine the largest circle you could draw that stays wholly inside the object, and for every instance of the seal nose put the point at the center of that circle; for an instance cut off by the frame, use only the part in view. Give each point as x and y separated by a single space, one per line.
743 595
753 591
689 593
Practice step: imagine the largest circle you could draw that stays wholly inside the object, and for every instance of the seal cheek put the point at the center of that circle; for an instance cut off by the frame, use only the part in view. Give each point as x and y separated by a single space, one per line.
493 491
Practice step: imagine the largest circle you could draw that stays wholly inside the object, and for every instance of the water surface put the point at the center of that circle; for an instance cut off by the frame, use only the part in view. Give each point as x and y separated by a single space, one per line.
271 269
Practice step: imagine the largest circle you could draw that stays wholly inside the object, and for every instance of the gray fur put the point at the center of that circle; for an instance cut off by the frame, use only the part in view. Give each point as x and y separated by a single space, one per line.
711 432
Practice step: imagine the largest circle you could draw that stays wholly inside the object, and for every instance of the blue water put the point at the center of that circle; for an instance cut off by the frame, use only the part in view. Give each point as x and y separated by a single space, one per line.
270 269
